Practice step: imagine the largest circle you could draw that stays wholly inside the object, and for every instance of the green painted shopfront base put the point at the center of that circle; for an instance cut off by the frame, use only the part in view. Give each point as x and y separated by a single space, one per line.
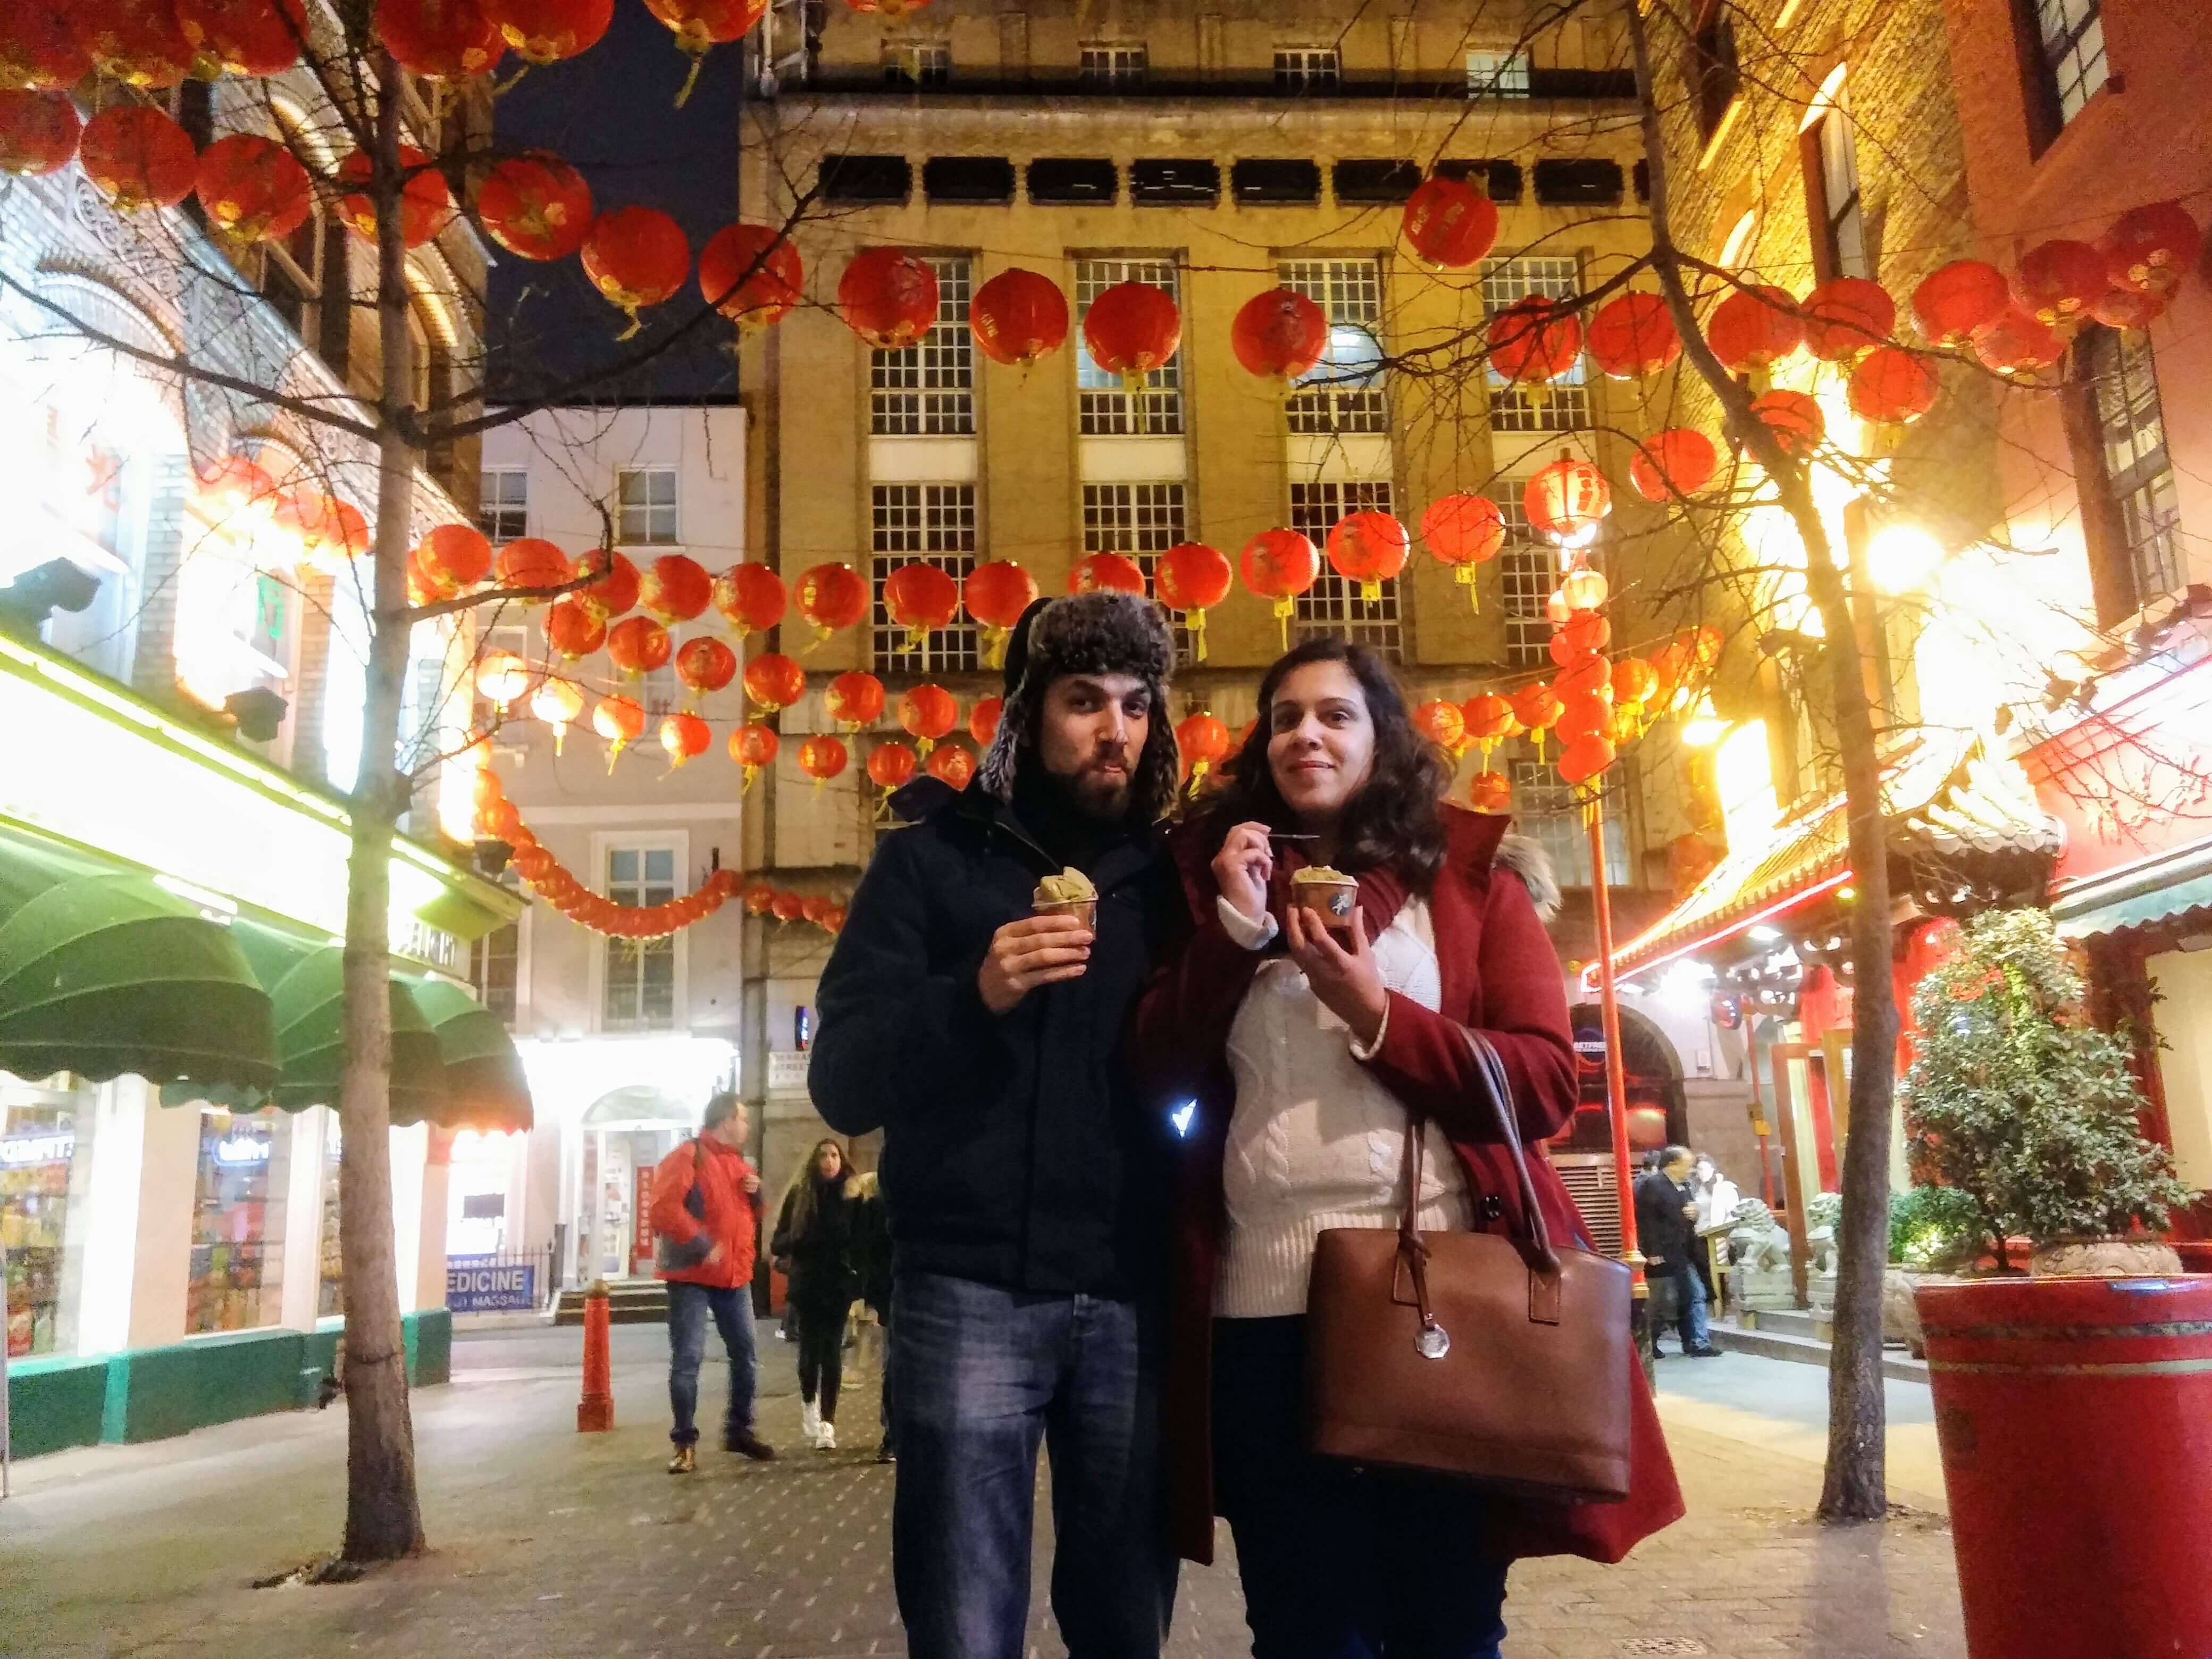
150 1394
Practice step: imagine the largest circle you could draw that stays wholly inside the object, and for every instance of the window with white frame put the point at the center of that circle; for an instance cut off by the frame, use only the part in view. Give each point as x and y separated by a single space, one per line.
934 523
641 973
928 389
1105 63
917 62
1528 571
1140 521
1304 69
1545 808
493 961
1560 405
2129 419
1498 74
1333 606
1833 180
1344 392
644 502
1106 408
2071 34
503 503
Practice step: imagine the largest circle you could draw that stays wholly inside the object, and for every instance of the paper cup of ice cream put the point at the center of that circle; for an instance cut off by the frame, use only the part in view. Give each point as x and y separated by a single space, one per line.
1327 895
1067 894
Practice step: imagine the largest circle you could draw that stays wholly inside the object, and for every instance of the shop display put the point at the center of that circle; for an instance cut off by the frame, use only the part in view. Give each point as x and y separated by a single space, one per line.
38 1146
237 1231
330 1293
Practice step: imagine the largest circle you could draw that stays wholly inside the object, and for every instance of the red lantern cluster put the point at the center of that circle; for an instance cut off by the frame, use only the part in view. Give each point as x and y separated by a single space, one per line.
560 889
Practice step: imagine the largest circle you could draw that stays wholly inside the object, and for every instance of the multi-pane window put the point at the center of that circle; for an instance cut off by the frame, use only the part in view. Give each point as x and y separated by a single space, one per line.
1301 68
1715 69
1104 64
645 500
936 524
1560 405
1528 571
2138 476
1833 160
1140 521
1498 74
641 978
503 503
492 961
928 388
917 62
1107 407
1344 392
2072 36
1333 606
1544 807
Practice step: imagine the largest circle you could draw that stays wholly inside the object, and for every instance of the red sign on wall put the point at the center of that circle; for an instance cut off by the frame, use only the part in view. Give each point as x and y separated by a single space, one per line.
640 1243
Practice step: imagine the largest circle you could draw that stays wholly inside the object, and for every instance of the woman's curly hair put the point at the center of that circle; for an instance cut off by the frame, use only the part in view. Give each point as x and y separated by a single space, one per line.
1392 820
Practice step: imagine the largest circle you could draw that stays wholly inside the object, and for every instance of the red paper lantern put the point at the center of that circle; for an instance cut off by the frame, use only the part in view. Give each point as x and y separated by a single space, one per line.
444 40
699 24
138 157
705 664
1443 724
854 700
760 899
822 757
1368 548
888 297
1489 719
1635 682
2149 249
995 595
1193 578
1583 673
1583 635
1533 341
1677 462
751 274
422 587
1755 328
753 747
613 591
502 677
919 597
1846 315
1890 387
425 203
1633 337
2017 343
2059 280
557 702
1490 792
234 485
1449 223
547 31
1536 707
952 765
928 712
1204 743
1959 299
790 907
1279 564
1279 335
891 764
253 188
531 562
675 588
331 532
1567 501
1584 758
1018 316
1131 328
1794 418
1583 715
2127 309
983 720
38 131
637 646
38 52
137 42
1102 571
573 628
456 556
685 737
636 257
536 206
750 597
774 681
532 864
1463 532
829 597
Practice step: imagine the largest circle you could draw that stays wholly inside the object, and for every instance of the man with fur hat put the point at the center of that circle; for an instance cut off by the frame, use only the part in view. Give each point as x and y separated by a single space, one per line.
1027 1187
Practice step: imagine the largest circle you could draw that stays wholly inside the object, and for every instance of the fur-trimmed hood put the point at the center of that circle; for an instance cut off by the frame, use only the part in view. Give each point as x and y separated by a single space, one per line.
1524 858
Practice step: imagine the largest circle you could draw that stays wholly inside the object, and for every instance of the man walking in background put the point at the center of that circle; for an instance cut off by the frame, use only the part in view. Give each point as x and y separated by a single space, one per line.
1667 1232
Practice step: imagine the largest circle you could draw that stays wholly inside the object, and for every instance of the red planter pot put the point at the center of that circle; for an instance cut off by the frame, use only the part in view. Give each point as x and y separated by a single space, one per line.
2074 1417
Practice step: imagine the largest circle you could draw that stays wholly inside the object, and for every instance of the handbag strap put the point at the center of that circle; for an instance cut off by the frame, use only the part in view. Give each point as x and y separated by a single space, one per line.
1498 1088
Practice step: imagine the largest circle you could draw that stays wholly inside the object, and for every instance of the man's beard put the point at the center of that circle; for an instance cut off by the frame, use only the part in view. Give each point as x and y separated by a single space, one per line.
1094 794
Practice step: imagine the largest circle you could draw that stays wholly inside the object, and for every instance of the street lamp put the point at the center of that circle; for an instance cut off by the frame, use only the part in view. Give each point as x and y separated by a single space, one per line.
1900 557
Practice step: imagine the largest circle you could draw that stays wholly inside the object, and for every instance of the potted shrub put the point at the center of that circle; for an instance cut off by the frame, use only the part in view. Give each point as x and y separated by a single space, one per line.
1934 1232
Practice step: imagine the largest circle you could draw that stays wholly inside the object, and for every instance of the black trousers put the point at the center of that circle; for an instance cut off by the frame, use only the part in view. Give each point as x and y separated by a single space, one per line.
822 1355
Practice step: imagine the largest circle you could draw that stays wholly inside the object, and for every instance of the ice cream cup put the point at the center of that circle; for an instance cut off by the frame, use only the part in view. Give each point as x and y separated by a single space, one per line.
1329 902
1084 910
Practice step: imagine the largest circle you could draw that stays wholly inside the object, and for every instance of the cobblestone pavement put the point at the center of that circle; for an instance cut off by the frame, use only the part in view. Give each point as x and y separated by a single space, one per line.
551 1543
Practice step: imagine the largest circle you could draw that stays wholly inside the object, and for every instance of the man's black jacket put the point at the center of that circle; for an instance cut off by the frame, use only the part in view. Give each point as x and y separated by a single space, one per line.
1663 1233
1015 1149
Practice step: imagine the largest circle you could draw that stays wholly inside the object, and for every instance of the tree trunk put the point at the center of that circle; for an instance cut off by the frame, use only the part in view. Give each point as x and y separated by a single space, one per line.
1854 1487
383 1519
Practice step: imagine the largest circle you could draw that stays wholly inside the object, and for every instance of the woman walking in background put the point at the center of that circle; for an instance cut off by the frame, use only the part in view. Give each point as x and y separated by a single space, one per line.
815 1234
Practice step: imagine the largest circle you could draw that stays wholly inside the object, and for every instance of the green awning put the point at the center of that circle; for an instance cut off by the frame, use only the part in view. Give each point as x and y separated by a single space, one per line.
103 972
305 983
2137 910
485 1087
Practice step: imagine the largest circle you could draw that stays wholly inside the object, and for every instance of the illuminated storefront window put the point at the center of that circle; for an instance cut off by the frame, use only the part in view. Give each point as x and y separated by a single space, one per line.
238 1222
44 1165
329 1291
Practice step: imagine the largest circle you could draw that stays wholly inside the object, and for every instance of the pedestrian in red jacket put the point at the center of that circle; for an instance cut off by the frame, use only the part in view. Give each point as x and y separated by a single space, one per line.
707 1216
1302 1063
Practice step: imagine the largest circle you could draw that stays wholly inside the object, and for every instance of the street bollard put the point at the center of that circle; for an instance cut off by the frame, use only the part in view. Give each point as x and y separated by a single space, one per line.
595 1413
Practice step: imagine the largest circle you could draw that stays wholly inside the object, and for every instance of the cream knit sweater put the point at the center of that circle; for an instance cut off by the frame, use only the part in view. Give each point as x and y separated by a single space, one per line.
1315 1141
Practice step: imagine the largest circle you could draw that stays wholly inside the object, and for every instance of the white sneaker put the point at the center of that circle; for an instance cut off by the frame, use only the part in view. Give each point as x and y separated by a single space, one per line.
810 1420
825 1436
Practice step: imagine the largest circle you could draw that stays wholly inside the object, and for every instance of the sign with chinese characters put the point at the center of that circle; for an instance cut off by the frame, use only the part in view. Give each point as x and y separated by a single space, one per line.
640 1248
484 1284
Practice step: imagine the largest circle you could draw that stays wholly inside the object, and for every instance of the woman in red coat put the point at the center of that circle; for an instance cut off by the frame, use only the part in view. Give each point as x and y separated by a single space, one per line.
1303 1054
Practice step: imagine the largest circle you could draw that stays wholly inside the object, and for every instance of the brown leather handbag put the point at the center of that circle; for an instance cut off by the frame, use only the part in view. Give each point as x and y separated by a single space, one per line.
1499 1360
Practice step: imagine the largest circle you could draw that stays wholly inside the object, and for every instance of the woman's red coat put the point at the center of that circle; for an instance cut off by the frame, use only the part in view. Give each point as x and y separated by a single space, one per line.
1500 975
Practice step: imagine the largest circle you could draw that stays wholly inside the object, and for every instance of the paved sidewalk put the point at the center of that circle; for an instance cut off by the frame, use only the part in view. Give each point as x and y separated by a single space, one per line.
550 1543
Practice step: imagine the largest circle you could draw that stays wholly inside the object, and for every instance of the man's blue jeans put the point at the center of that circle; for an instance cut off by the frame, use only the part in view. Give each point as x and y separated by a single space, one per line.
1681 1301
984 1374
689 1306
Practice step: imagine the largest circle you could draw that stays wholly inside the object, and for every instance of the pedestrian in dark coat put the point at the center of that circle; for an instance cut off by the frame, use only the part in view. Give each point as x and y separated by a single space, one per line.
815 1233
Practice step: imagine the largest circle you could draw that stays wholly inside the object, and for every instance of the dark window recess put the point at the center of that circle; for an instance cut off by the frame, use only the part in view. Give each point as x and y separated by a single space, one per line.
1581 83
1276 181
1174 184
1503 179
1714 70
871 179
1591 182
1375 181
967 179
1642 175
1063 181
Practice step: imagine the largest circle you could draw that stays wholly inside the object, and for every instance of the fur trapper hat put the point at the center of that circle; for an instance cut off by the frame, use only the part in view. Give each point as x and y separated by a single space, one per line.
1105 632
